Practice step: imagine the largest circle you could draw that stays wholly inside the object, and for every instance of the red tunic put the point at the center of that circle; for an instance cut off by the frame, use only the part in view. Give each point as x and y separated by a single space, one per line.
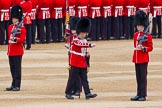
72 7
156 7
107 8
82 8
95 8
139 56
33 11
16 49
118 7
26 8
5 10
143 5
78 52
43 9
58 9
15 2
129 7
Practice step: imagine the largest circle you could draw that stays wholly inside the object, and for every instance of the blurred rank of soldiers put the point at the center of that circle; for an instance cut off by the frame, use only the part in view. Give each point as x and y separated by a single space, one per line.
44 26
82 10
72 7
118 20
58 11
26 6
107 19
4 20
129 13
95 16
34 20
156 10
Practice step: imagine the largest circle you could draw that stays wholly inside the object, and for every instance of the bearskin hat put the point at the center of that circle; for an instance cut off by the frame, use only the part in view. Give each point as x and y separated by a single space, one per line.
16 12
83 25
141 18
73 22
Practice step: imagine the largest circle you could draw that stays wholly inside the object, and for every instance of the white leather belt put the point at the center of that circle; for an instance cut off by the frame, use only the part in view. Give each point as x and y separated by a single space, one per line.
44 9
82 7
71 7
118 7
107 7
95 7
80 54
58 8
157 7
4 10
143 8
33 10
130 6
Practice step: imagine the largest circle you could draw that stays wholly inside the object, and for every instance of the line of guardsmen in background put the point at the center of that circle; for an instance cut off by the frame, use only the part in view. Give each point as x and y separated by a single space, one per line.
110 19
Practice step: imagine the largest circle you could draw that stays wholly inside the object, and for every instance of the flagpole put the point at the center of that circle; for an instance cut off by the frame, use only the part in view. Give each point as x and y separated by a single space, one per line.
67 18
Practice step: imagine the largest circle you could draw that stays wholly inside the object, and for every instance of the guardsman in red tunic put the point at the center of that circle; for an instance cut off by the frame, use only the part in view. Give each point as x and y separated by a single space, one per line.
142 46
143 5
118 20
17 35
58 10
82 8
26 6
78 62
95 16
72 7
4 20
44 15
156 10
129 13
34 20
107 9
77 86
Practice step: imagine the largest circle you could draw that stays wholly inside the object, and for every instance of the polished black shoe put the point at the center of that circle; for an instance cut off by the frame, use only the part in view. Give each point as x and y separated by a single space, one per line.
77 94
27 48
16 89
135 98
68 96
89 95
9 88
142 99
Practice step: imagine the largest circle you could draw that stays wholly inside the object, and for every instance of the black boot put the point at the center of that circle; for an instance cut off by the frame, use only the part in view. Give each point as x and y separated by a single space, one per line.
142 99
89 95
135 98
68 96
9 88
16 89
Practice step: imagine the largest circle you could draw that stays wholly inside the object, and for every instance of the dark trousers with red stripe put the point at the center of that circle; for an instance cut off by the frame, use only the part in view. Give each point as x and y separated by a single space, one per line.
44 33
141 77
57 29
4 30
33 30
28 35
77 87
15 68
118 29
156 23
77 73
107 27
129 26
95 32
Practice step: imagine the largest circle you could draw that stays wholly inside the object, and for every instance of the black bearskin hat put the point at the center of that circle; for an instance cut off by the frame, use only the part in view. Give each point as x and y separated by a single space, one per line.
83 25
73 22
16 12
141 18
